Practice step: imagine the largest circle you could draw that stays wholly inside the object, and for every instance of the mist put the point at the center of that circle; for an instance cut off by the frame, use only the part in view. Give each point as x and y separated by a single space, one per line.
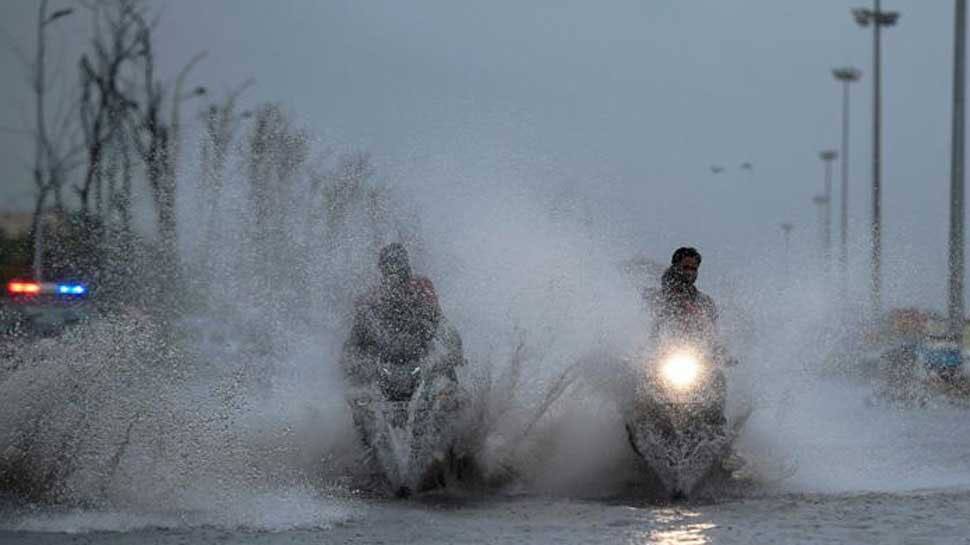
240 400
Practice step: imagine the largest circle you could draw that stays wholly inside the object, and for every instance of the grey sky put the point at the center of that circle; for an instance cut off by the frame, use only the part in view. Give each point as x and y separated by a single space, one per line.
627 102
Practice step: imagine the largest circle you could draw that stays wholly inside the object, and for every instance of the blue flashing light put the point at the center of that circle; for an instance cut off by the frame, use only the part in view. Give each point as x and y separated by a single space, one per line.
71 289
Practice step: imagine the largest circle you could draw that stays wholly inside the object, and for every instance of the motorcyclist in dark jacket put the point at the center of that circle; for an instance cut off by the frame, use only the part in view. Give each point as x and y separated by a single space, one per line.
679 308
681 312
395 323
402 350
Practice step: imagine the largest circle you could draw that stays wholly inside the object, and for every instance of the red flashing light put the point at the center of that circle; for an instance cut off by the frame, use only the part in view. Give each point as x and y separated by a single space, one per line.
23 288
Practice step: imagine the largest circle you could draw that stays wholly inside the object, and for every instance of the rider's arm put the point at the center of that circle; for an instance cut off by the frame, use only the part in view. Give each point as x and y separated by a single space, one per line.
429 296
721 353
359 350
429 313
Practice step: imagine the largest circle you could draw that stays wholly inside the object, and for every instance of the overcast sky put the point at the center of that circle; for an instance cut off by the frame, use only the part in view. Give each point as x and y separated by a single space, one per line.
625 102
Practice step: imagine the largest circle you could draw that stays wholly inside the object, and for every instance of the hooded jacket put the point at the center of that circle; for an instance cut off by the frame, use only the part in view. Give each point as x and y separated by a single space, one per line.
681 310
396 322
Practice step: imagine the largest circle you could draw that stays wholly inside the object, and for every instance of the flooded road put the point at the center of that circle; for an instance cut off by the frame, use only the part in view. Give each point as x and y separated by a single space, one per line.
828 463
919 517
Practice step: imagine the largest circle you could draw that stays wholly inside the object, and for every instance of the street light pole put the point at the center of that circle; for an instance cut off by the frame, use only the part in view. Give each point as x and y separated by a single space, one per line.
786 230
42 151
847 75
821 202
878 19
828 156
956 310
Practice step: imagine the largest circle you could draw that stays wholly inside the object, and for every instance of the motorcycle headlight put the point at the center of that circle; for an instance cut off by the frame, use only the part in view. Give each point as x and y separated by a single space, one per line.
681 370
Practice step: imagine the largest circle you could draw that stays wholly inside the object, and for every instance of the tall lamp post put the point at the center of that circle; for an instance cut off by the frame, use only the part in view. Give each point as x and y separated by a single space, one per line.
956 310
41 141
847 75
821 201
828 156
878 19
786 231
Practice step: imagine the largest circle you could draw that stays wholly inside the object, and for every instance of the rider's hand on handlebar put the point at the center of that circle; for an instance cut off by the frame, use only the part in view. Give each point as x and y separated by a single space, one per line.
722 356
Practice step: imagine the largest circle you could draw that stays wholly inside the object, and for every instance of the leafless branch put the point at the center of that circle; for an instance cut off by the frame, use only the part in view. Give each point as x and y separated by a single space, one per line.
22 132
17 50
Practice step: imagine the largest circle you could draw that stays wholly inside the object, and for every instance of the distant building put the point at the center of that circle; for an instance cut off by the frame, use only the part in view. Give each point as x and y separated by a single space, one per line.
17 224
910 324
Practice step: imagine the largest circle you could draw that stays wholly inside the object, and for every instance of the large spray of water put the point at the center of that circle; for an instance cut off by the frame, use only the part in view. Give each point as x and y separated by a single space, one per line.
230 411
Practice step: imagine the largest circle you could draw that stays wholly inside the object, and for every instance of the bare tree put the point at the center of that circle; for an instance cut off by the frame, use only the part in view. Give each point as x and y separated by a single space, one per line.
353 205
103 105
346 186
221 120
157 140
121 201
277 152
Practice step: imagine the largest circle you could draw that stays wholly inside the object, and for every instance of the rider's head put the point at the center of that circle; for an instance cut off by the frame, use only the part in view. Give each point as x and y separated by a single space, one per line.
684 264
394 263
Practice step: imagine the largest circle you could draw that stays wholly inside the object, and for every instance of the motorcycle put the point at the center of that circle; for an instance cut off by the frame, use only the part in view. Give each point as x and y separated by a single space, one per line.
677 421
408 418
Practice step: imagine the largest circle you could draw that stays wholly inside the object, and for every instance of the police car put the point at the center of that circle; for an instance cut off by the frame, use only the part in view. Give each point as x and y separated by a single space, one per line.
43 309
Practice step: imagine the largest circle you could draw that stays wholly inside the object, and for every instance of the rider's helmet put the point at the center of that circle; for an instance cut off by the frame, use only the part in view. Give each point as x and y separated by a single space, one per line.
394 263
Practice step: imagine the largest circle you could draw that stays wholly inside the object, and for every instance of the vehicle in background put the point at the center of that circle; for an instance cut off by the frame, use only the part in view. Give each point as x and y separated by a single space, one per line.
43 309
939 355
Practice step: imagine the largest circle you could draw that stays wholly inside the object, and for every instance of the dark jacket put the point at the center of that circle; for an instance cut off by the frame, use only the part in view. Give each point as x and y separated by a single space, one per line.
393 324
681 310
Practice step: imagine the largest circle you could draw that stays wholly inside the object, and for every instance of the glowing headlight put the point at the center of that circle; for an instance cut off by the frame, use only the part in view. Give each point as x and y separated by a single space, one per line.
681 370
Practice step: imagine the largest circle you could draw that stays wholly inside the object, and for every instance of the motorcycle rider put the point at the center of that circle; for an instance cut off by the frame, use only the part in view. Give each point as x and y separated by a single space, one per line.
394 322
684 313
680 308
398 341
685 317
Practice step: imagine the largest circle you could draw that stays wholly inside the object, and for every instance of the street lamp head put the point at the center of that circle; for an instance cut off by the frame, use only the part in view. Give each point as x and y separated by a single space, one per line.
847 73
862 16
828 155
196 92
887 18
820 199
787 227
58 14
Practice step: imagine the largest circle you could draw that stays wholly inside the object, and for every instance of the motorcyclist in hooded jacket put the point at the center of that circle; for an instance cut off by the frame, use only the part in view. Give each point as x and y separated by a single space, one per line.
402 350
683 312
679 308
395 323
